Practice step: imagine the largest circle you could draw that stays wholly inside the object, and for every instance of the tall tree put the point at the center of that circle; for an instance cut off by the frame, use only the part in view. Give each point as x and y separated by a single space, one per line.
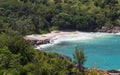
79 57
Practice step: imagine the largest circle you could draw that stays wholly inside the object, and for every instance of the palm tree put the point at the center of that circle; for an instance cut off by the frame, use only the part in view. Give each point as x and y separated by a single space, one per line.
80 58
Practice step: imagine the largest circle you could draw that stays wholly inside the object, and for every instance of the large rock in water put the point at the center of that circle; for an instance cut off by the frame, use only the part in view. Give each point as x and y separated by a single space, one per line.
114 72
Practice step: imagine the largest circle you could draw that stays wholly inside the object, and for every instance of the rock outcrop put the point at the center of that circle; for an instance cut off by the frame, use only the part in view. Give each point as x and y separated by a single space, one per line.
39 42
65 57
112 29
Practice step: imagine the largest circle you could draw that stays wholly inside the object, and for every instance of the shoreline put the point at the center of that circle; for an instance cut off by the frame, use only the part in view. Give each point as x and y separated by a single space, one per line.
41 39
50 35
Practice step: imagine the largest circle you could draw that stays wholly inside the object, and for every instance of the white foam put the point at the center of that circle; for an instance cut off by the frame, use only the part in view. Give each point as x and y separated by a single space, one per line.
73 37
118 33
43 46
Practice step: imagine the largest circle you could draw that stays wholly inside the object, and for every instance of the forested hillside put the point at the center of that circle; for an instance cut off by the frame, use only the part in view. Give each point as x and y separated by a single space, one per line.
42 16
22 17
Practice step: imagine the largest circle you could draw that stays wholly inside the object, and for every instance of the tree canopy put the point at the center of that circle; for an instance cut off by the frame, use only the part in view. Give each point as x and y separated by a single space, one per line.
41 16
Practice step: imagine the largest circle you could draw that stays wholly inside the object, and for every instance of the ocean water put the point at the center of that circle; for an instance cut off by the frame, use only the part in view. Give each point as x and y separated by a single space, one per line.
101 49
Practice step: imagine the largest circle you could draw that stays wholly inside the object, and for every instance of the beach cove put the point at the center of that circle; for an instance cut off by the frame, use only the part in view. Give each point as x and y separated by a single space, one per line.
101 49
38 39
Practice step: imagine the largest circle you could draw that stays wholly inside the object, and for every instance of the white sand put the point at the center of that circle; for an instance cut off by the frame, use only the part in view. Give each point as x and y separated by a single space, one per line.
50 35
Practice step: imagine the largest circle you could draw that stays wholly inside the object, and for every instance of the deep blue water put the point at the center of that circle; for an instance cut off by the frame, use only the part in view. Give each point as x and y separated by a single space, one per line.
101 52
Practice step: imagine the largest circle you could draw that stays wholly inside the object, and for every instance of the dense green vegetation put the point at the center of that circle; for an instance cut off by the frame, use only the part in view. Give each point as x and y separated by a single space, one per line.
18 57
42 16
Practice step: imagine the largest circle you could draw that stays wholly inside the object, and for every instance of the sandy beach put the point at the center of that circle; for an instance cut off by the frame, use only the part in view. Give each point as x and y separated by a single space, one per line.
50 35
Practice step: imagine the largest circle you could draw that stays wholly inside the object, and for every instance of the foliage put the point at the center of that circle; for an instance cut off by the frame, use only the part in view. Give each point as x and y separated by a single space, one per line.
41 16
79 56
94 71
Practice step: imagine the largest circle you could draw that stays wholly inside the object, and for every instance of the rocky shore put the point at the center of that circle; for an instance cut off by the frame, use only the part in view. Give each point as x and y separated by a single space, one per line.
39 42
112 29
37 39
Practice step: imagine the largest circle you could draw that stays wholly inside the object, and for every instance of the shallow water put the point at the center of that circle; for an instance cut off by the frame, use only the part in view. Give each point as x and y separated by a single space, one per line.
101 50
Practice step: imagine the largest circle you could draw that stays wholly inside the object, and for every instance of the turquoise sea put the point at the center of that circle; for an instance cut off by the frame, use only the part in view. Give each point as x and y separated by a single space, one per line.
101 49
